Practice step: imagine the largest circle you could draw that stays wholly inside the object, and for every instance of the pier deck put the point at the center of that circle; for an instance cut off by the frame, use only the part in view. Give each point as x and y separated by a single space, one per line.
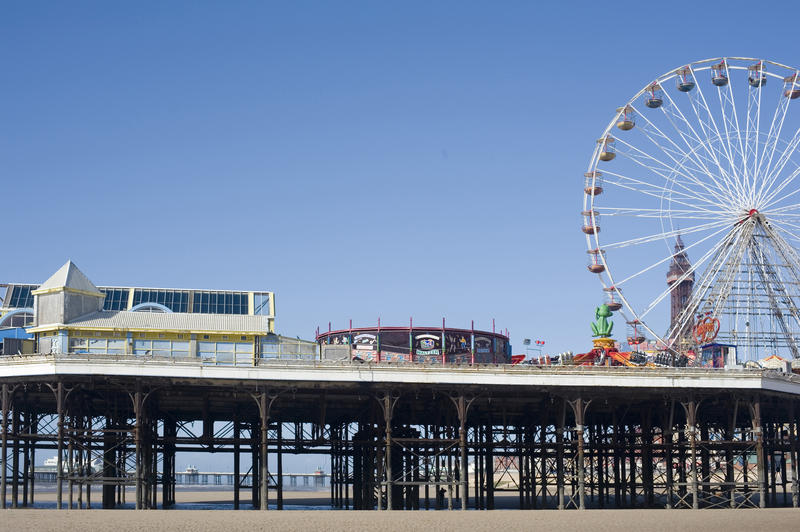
408 436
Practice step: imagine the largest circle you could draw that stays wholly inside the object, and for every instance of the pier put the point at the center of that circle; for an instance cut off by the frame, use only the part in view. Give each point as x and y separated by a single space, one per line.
406 436
318 480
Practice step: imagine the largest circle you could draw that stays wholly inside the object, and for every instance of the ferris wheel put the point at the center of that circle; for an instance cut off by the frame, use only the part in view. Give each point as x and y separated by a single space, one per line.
691 208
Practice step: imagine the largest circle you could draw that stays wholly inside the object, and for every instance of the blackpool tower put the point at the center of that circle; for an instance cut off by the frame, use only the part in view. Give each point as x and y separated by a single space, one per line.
680 294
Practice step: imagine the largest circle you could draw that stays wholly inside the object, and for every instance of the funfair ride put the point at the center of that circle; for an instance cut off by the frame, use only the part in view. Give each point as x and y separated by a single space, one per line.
706 155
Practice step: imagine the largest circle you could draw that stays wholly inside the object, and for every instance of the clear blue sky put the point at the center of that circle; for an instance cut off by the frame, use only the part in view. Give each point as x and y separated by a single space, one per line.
360 159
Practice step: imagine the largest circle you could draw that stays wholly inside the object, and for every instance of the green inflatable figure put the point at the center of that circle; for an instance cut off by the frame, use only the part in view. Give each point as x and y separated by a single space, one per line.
602 327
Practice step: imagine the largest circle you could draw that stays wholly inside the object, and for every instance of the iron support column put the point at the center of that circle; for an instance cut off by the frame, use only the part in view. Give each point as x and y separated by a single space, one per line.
280 465
668 437
26 455
462 445
759 436
793 434
34 430
560 456
236 460
489 463
60 445
578 408
137 437
110 442
15 476
4 455
88 464
264 484
387 416
691 421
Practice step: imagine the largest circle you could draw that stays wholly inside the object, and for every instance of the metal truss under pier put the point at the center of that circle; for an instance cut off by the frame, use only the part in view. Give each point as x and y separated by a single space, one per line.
405 437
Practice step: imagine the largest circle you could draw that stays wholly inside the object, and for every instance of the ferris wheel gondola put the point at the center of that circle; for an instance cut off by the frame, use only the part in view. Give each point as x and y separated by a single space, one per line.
653 96
684 79
715 165
613 304
719 74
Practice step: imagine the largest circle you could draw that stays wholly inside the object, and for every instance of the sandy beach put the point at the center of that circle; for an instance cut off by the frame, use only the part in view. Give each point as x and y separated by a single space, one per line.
191 517
473 521
190 499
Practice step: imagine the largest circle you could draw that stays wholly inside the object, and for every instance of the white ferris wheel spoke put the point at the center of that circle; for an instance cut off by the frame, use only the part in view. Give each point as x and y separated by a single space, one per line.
778 219
686 275
735 130
693 153
779 202
721 256
673 112
783 160
786 209
731 271
711 130
787 220
784 223
651 131
698 104
752 136
730 118
670 257
666 235
770 199
662 169
660 192
684 214
778 119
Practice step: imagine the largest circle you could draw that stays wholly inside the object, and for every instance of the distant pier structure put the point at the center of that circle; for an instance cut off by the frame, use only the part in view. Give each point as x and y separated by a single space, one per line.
192 477
115 395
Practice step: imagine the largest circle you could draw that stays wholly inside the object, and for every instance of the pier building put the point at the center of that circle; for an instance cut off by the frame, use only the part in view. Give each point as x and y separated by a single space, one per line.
427 345
69 314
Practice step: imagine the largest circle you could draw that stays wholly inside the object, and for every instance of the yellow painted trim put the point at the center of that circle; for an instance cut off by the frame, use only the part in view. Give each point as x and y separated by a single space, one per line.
113 335
162 335
44 328
251 303
67 289
233 338
272 304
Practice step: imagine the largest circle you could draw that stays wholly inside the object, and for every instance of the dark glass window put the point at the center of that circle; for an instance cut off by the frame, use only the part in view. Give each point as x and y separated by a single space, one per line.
23 319
240 303
175 300
116 298
220 302
21 297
